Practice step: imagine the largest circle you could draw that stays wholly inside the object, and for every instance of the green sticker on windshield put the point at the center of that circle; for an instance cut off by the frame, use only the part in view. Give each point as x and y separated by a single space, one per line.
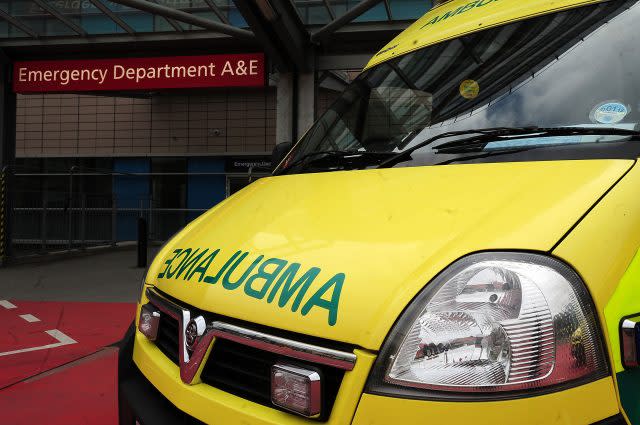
469 89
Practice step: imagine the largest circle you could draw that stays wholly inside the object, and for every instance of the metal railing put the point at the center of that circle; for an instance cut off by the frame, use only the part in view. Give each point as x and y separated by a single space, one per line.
42 221
53 223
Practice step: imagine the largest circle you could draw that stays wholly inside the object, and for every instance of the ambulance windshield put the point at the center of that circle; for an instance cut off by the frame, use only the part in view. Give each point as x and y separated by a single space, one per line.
578 68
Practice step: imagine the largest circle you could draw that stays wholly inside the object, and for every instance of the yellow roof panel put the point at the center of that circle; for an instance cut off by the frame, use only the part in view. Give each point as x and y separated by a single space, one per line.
459 17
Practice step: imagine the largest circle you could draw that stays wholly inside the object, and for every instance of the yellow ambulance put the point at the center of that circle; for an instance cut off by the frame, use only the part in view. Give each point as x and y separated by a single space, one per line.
456 240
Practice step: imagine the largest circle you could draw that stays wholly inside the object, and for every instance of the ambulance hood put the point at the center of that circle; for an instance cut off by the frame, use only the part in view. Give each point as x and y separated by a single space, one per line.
339 255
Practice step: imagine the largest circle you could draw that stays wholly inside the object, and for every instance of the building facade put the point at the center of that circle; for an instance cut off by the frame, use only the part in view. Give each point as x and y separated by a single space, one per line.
110 157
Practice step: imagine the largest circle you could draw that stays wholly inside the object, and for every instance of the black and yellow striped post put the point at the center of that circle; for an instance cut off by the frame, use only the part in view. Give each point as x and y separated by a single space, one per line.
3 215
7 155
6 209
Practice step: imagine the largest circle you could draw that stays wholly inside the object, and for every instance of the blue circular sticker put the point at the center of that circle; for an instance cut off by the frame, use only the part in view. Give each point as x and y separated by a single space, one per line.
609 113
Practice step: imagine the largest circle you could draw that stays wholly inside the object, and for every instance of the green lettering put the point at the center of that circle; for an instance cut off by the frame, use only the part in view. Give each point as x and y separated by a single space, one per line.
450 14
185 253
203 266
214 279
484 2
291 288
226 281
190 262
431 22
316 300
168 263
268 277
468 6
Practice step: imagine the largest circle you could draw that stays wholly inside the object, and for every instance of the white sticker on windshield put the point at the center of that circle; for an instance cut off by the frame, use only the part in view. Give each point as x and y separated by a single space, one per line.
610 112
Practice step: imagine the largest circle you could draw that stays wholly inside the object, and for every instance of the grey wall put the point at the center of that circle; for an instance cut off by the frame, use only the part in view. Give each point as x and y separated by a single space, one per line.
225 121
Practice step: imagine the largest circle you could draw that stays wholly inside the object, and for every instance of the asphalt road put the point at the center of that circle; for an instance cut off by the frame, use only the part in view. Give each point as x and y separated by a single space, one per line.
99 277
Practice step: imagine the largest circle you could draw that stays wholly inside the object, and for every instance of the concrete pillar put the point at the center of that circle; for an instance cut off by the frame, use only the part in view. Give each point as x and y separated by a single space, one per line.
306 101
295 105
284 108
7 156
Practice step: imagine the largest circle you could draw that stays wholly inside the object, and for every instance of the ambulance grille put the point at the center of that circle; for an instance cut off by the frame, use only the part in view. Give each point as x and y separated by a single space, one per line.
246 372
168 337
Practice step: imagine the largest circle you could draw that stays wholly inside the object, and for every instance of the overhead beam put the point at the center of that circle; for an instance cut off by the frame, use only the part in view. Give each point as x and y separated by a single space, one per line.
343 20
327 5
281 32
115 18
187 18
54 12
18 24
260 27
387 7
175 25
69 42
216 10
293 33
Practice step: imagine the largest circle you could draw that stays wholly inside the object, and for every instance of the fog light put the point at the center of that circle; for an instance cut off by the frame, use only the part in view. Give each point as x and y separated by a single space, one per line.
149 321
630 341
296 389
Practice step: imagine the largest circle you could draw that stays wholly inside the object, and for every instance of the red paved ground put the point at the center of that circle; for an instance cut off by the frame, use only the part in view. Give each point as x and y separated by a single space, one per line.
81 394
66 385
92 325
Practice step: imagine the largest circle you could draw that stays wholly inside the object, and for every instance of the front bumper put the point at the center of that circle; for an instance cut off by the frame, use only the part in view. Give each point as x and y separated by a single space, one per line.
138 399
152 392
214 406
593 403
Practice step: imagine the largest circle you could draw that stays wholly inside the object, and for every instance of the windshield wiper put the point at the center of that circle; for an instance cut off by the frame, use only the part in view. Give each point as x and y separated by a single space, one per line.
488 154
492 132
479 143
351 156
484 136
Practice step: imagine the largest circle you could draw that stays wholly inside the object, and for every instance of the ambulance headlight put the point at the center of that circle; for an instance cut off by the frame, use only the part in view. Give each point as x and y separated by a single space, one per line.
493 323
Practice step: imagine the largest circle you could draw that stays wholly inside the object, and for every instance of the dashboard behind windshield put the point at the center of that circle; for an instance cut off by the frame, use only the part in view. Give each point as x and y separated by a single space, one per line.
574 68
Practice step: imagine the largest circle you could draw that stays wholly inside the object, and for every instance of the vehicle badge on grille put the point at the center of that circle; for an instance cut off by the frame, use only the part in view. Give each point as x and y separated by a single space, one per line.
196 340
193 331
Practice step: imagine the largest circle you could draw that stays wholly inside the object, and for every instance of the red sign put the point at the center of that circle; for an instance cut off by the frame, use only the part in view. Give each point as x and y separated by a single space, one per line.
176 72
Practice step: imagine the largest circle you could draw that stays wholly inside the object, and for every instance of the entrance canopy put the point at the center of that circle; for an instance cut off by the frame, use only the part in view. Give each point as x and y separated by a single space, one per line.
287 51
293 33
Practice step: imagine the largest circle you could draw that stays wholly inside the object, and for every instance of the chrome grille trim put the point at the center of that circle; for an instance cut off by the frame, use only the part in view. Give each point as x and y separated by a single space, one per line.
275 344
